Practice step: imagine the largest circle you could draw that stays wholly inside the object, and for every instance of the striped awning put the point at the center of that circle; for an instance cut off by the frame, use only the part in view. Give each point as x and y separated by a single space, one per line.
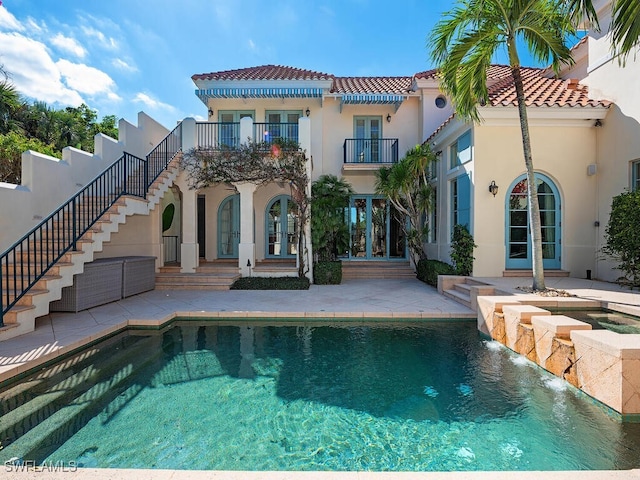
204 95
372 99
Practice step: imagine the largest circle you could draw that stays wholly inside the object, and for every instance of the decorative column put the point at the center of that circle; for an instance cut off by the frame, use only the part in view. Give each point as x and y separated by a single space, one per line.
304 139
247 246
189 252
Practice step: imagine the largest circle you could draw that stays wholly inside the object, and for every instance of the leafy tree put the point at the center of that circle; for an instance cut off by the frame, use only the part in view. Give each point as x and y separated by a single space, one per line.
12 145
329 231
622 241
625 22
463 44
10 103
407 186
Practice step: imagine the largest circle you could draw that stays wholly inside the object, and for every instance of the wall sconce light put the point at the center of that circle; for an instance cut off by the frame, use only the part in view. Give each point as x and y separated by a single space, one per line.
598 123
493 188
438 153
388 118
210 112
307 112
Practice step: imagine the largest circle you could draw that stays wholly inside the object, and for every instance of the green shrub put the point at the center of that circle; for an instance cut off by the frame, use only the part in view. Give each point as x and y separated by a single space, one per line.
462 250
428 271
327 273
275 283
329 232
622 240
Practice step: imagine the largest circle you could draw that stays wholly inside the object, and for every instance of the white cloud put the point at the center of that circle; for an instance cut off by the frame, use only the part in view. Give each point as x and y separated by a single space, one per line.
86 79
69 45
108 43
123 66
33 72
252 45
8 22
152 103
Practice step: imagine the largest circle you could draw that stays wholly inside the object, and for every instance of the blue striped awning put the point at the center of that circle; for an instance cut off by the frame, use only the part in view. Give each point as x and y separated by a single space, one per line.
372 99
204 95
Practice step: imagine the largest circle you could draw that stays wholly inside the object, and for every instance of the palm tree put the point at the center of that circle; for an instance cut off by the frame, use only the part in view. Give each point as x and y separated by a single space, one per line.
463 45
625 22
407 186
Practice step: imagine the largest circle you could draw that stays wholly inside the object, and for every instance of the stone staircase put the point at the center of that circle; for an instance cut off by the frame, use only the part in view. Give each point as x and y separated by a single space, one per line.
464 290
353 270
217 275
20 319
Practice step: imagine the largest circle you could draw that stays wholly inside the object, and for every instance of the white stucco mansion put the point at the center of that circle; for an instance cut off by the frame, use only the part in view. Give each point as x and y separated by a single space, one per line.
585 136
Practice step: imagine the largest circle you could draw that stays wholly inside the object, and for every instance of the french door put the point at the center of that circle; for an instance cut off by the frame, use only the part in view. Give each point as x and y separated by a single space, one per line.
375 232
229 227
282 228
367 132
519 245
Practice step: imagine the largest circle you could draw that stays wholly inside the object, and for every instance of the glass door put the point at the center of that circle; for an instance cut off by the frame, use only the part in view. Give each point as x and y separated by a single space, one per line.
229 227
519 248
375 231
367 132
282 227
229 127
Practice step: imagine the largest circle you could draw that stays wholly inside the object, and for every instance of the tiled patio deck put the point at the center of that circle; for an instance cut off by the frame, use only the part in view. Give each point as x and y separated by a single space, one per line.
354 299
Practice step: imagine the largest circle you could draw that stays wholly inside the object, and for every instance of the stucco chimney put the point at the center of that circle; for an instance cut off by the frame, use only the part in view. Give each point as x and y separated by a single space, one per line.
571 83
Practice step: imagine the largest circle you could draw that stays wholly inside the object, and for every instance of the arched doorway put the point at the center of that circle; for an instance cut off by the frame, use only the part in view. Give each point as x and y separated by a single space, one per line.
229 227
282 222
518 235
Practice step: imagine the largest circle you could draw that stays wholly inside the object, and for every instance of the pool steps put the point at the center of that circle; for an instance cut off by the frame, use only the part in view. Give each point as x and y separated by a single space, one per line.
52 405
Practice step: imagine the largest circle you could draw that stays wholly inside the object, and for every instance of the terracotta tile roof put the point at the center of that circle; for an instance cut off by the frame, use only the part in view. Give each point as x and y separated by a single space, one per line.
426 74
541 91
264 72
389 85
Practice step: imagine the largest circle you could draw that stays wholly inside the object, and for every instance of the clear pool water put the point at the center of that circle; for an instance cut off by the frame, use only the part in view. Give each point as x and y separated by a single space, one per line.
417 397
606 319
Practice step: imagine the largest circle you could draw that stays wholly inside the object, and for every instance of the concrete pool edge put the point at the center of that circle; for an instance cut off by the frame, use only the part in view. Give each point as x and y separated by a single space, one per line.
104 473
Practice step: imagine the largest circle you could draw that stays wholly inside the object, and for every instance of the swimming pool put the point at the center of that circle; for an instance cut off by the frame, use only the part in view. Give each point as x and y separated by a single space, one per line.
260 396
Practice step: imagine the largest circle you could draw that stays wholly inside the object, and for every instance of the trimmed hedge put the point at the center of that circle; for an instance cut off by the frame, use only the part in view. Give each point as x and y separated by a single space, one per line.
275 283
327 273
428 271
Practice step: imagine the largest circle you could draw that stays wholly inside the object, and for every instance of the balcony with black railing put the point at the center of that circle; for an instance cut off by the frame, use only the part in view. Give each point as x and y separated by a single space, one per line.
218 135
274 132
370 151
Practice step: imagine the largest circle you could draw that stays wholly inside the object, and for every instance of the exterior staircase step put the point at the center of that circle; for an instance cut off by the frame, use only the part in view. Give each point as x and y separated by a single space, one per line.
529 273
458 296
376 269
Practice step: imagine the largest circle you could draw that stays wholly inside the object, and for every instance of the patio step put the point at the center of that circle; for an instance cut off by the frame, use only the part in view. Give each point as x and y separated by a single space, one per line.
352 270
195 281
460 293
529 273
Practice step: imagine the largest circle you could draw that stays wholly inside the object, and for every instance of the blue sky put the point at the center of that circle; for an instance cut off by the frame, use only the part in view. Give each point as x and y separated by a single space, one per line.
125 56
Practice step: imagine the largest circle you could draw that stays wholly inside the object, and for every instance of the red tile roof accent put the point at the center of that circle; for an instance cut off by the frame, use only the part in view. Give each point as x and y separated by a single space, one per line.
542 91
264 72
539 90
391 85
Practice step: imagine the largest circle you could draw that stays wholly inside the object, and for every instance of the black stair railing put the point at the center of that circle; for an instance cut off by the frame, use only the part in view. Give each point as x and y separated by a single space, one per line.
31 257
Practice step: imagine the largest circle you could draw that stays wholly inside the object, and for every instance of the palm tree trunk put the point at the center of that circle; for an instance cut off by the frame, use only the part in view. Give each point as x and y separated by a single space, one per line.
532 192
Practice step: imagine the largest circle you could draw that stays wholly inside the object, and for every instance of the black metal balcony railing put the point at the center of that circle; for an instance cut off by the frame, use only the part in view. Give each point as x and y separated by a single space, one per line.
271 132
218 135
31 257
370 150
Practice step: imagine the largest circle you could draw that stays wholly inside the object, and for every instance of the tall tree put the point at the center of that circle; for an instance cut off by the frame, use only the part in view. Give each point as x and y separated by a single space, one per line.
463 44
